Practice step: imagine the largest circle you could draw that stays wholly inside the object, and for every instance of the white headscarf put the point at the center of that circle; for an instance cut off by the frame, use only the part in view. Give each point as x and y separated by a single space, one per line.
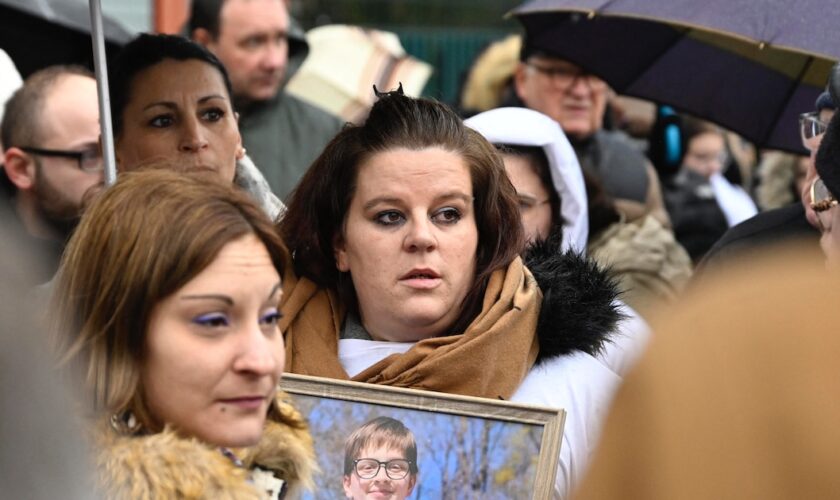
9 80
525 127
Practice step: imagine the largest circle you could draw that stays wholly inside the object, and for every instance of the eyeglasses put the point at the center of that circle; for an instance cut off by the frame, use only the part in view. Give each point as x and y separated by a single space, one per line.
821 201
88 160
565 77
811 129
368 468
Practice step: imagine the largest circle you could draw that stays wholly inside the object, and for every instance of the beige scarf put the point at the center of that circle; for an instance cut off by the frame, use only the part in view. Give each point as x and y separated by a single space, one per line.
489 359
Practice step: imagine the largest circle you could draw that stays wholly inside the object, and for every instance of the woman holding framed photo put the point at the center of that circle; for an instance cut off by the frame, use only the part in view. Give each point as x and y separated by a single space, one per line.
406 238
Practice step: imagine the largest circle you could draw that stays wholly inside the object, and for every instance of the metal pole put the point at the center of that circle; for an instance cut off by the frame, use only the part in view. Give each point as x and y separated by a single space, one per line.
101 66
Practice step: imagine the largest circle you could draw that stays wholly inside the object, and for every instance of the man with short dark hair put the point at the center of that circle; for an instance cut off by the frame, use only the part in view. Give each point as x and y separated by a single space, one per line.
261 47
577 101
52 161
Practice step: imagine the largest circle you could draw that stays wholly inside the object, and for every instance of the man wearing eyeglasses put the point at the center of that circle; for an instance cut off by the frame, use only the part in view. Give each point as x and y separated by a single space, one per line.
577 101
797 221
50 130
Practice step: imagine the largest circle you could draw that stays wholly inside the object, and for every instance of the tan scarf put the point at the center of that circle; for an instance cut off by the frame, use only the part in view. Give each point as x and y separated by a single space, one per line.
490 359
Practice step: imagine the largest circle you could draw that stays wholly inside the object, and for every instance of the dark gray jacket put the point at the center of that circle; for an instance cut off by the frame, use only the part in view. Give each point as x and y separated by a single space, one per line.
285 134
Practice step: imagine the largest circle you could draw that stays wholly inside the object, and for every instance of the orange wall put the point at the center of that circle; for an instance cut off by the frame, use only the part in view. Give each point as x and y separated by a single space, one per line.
170 15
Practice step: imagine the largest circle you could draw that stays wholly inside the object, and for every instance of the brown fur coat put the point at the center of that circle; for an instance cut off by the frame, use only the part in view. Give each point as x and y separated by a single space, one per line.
167 465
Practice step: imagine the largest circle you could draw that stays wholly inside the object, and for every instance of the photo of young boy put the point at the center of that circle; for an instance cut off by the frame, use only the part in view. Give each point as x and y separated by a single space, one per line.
380 461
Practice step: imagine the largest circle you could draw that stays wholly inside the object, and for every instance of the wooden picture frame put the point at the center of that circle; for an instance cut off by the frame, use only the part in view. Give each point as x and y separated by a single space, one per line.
517 441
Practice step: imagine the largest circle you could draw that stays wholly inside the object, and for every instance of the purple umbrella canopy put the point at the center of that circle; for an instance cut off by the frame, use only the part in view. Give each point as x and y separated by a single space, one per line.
750 65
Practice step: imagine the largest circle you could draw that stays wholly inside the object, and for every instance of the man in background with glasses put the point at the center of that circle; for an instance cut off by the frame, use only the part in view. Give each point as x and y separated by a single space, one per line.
796 221
52 163
380 461
577 101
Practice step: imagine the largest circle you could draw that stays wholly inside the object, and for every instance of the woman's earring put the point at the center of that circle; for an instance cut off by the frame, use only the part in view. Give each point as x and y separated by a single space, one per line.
240 153
125 423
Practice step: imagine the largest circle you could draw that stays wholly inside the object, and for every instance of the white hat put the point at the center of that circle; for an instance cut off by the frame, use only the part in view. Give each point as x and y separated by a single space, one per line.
525 127
9 80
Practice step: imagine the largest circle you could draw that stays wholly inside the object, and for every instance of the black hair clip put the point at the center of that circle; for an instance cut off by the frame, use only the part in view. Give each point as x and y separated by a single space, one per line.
380 95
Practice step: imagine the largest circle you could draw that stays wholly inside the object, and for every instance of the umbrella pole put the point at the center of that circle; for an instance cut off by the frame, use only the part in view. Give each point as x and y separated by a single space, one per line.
101 67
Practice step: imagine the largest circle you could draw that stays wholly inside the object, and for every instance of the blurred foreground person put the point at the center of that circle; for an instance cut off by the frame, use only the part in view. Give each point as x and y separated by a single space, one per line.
738 396
52 160
42 454
171 102
406 237
167 304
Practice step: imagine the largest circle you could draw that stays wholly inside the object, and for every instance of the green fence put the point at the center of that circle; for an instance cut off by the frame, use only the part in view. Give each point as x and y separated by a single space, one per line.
447 34
451 52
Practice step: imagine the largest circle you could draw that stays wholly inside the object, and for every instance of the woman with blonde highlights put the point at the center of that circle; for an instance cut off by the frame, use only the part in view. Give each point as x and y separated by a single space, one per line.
167 302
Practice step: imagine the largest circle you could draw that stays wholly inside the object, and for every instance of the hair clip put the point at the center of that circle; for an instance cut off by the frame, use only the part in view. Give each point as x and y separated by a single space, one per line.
380 95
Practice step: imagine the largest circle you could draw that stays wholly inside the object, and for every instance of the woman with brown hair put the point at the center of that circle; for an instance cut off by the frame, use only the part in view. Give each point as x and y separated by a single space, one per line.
159 115
406 239
166 303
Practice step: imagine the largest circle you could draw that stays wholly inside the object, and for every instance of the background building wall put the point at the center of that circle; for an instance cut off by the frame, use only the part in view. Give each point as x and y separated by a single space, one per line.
133 14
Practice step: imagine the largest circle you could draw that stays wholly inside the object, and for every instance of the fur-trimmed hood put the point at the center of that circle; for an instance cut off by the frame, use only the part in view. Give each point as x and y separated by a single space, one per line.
580 311
167 465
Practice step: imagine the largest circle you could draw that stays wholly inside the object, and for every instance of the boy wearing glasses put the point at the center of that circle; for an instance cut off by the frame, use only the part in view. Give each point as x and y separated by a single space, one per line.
380 461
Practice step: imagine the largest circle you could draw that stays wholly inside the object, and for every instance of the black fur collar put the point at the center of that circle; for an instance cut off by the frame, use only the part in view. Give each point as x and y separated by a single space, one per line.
579 310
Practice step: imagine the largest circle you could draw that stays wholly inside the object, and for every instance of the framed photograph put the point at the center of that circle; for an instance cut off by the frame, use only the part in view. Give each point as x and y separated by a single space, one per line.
388 442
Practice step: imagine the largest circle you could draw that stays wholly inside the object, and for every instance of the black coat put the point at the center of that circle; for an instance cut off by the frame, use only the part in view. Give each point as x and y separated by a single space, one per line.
579 310
696 217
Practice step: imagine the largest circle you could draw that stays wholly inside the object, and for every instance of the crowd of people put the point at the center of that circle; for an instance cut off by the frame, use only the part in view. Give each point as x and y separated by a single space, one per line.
519 250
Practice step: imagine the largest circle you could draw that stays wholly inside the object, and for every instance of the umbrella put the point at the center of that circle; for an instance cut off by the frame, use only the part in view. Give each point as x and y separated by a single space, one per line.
751 66
40 33
344 63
